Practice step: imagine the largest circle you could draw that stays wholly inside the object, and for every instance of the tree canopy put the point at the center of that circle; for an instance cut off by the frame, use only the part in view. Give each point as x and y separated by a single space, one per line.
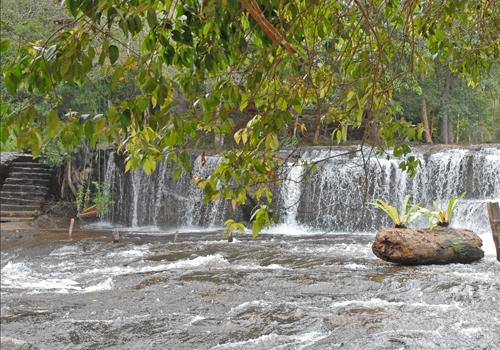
197 66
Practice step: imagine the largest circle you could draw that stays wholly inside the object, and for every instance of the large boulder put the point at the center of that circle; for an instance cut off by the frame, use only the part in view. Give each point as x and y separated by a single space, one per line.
439 245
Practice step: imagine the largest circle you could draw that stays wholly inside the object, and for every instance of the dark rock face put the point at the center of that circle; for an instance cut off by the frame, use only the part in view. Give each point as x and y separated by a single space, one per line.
440 245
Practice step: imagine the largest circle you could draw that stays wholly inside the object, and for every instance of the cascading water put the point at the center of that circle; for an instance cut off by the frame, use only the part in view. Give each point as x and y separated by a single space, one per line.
159 200
291 193
332 199
195 290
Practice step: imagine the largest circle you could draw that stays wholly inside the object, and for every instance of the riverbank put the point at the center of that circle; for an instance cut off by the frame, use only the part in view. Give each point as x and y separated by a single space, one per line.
18 235
50 226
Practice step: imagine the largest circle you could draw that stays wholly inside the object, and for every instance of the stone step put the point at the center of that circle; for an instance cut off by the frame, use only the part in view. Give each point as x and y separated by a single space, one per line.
18 207
10 214
27 181
25 158
20 201
38 169
30 175
32 165
25 188
15 218
22 195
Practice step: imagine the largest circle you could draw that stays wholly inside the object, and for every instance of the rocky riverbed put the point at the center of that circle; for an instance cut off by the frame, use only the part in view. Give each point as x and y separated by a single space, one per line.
193 290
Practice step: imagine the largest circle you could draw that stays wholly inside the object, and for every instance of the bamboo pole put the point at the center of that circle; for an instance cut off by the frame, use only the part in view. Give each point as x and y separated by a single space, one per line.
89 209
494 216
71 224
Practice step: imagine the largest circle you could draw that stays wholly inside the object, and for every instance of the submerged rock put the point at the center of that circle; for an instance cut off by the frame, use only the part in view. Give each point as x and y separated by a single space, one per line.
440 245
8 343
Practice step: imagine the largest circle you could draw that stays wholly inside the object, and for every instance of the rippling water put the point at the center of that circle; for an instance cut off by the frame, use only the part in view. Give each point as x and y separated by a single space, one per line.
196 291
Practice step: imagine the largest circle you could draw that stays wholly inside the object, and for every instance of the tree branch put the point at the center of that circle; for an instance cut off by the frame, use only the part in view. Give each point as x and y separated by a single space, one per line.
253 8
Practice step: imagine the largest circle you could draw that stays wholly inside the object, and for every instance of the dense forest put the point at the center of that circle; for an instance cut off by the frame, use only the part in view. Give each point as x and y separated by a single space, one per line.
247 78
451 109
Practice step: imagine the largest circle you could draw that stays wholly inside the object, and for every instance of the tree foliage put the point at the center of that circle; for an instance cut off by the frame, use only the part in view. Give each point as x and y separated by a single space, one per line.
270 59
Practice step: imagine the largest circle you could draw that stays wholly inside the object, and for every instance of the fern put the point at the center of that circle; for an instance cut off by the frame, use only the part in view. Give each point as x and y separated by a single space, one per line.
441 216
400 219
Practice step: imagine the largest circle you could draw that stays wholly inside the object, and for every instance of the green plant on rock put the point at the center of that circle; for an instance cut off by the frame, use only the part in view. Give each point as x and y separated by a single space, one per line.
441 216
400 219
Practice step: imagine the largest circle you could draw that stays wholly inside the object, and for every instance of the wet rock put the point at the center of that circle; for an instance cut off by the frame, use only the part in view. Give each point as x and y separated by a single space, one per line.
8 343
440 245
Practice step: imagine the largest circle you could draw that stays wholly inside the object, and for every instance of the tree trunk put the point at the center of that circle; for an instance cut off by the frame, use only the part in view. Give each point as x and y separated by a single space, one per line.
318 124
433 121
69 177
370 135
446 128
439 245
296 124
450 130
425 120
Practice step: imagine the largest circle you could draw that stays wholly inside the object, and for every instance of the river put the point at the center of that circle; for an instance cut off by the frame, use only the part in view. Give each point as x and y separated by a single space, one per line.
300 285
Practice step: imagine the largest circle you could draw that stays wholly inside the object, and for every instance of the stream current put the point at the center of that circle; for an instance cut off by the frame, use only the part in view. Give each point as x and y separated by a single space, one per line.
195 290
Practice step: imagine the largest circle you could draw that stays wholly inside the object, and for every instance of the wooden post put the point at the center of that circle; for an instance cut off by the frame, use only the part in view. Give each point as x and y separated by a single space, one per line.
116 236
71 224
494 215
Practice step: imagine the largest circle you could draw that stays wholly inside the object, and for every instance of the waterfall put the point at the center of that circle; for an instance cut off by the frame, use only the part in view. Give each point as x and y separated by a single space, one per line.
159 200
110 171
331 199
291 193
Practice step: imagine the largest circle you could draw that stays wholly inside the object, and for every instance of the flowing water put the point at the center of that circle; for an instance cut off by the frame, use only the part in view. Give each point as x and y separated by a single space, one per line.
311 282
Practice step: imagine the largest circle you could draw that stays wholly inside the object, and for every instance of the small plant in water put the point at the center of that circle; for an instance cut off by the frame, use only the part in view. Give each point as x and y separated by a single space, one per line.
102 202
400 219
441 216
81 199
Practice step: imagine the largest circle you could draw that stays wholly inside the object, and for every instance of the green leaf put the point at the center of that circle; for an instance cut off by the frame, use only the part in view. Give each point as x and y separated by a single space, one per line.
151 18
11 83
72 6
53 124
257 227
4 45
272 141
113 53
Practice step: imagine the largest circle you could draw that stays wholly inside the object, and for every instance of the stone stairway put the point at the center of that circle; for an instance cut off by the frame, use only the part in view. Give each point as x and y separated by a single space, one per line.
24 189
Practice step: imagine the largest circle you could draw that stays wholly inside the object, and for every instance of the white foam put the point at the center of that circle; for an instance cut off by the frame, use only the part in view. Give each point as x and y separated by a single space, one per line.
65 250
376 302
291 230
20 276
151 229
107 284
355 267
136 251
195 319
247 305
350 249
275 341
210 261
470 332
